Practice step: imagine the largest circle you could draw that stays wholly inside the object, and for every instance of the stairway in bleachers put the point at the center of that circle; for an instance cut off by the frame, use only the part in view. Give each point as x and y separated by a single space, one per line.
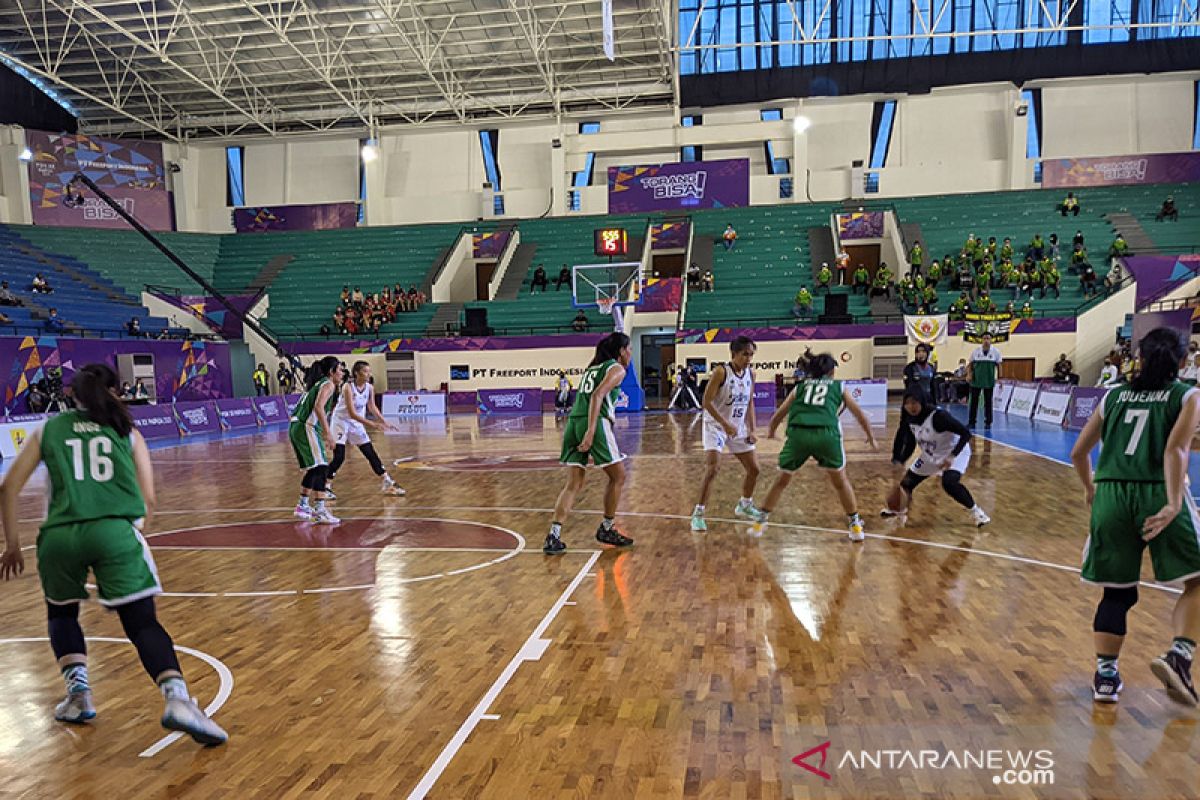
1128 226
518 268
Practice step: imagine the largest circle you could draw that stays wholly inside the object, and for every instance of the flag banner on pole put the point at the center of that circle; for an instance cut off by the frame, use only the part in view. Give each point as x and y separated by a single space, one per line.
606 11
976 325
927 328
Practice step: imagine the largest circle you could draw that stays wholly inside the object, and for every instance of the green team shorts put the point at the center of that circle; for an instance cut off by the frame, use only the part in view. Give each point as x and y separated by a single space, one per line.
1113 553
112 548
308 445
824 445
604 450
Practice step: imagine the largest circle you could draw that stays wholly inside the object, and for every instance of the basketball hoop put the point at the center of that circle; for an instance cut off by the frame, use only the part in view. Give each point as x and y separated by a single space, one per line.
606 304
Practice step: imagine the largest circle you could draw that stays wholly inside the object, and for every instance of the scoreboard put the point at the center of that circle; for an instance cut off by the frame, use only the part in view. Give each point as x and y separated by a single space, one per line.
612 242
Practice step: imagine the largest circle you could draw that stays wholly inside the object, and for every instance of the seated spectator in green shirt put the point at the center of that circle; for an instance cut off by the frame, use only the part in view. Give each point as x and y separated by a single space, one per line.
824 277
802 306
984 303
1119 248
1037 247
1050 280
1070 205
862 279
930 296
990 249
882 284
1006 249
960 306
916 256
1027 311
935 272
1079 258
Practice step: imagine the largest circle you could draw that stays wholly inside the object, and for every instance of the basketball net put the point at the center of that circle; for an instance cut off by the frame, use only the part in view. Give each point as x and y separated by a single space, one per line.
608 306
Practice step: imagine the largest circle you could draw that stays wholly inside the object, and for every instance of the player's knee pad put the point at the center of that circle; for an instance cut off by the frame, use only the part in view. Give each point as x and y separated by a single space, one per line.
320 476
1113 607
368 451
66 637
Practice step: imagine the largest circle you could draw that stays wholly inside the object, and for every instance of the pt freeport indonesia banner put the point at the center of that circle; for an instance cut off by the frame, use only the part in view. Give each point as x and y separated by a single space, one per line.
679 186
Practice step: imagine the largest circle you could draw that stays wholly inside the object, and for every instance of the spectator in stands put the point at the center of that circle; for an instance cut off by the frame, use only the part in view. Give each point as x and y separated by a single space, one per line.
960 306
40 286
1191 373
539 279
564 276
935 273
580 323
1027 311
729 237
5 319
984 303
693 276
1087 280
1118 249
1168 211
7 298
1113 279
1053 252
261 380
140 392
339 320
345 295
416 298
376 324
1064 371
882 285
802 304
53 323
916 256
1037 248
1079 257
133 327
283 376
1078 240
324 330
824 277
862 280
929 298
964 278
706 281
1110 374
1070 205
356 297
126 391
919 372
1051 279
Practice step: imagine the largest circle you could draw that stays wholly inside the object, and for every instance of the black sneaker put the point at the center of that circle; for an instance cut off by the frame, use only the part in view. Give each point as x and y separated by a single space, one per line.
612 536
554 545
1106 688
1175 672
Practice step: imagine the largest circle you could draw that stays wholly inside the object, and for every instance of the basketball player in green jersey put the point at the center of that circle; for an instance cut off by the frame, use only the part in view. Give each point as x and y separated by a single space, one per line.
1139 497
588 436
101 498
311 435
814 431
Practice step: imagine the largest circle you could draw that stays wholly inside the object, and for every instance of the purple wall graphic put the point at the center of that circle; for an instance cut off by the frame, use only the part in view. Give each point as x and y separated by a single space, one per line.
860 225
1084 401
155 422
197 417
237 412
314 217
489 245
667 187
211 312
182 370
1117 170
669 235
271 409
1157 275
130 171
661 294
510 401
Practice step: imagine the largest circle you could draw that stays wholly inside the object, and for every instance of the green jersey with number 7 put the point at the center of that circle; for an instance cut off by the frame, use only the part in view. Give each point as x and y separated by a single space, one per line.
92 474
1135 430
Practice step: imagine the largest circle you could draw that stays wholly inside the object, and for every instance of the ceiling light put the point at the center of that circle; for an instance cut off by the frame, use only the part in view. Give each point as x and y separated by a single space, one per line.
26 155
369 152
801 124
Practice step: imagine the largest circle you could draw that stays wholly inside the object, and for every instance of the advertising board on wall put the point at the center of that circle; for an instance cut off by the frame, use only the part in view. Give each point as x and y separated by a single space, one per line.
684 185
413 404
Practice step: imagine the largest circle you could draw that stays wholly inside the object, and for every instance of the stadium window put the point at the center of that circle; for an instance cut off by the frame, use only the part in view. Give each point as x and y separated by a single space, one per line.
362 181
882 118
1032 98
691 121
785 188
574 200
489 144
498 204
1106 21
584 176
691 152
589 127
771 114
1196 124
235 180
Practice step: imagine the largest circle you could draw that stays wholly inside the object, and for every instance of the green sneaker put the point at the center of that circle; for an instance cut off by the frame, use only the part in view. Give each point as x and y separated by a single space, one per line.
748 511
698 523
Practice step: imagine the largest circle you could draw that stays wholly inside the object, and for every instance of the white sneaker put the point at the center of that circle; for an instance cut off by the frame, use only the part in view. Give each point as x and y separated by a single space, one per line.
393 489
323 517
857 534
185 716
758 529
303 512
76 708
698 523
329 495
747 511
981 518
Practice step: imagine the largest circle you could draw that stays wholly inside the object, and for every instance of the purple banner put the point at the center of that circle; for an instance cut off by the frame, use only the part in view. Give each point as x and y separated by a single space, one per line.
509 401
489 246
669 235
155 422
667 187
1117 170
237 412
272 409
860 225
1083 403
661 294
129 171
1158 275
211 312
764 395
197 417
316 217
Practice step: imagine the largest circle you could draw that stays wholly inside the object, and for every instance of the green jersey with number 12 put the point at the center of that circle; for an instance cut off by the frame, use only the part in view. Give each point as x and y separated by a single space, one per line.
592 378
1135 430
817 403
92 474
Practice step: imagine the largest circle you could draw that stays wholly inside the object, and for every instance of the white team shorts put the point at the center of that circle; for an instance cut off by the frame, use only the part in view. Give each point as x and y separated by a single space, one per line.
715 438
924 467
347 431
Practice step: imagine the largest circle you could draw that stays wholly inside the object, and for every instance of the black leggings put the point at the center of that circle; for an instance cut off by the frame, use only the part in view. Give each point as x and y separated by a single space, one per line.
316 478
141 625
951 484
368 451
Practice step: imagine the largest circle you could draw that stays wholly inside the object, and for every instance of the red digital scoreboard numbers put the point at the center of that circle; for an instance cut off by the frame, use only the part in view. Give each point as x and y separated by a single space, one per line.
612 242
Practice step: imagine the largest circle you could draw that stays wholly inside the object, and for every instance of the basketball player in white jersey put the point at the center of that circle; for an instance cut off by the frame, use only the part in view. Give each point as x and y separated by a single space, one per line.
355 406
729 424
945 445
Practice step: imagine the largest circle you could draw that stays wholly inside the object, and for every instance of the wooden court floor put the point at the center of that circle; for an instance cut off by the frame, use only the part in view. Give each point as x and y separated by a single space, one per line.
426 647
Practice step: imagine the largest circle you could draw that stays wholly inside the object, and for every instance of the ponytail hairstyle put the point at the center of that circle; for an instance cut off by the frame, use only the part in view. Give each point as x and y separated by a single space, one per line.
1161 351
609 348
817 366
94 388
321 368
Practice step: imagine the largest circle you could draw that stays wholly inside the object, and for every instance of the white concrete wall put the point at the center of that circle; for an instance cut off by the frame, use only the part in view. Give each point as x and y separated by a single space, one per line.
457 281
14 178
1095 333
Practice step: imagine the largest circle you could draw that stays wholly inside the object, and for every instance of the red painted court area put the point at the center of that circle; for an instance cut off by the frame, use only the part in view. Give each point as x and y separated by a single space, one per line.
366 534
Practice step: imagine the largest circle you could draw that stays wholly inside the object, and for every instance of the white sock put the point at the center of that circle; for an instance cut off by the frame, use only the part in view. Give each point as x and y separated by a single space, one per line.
303 501
699 511
174 689
746 501
556 529
319 506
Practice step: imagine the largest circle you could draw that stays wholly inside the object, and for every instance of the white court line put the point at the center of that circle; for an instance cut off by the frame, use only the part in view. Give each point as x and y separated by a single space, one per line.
224 689
531 650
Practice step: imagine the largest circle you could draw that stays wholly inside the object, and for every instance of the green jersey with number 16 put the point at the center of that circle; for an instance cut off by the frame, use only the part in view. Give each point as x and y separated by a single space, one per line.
817 403
1135 430
92 474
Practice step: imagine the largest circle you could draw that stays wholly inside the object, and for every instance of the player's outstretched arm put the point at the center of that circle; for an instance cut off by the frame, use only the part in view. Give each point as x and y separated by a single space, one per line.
863 422
145 476
780 414
12 562
1081 453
